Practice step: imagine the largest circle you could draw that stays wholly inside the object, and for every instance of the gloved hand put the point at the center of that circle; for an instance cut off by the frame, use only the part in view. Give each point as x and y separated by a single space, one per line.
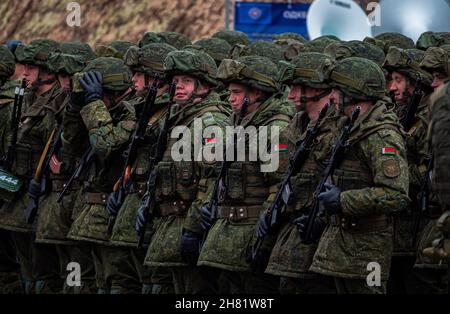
140 222
76 102
316 231
113 204
262 228
34 189
205 217
190 247
92 84
330 200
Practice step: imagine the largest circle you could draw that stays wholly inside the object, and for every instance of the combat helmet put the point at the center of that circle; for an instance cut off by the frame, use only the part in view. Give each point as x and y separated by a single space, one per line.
116 76
80 49
191 62
217 48
7 63
37 52
253 71
432 39
233 37
115 49
358 78
148 59
437 59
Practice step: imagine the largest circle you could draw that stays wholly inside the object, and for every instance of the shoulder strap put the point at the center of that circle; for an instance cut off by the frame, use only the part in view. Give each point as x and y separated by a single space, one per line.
361 136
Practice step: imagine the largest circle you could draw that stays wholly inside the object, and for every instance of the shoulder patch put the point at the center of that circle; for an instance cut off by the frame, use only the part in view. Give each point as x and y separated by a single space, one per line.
391 168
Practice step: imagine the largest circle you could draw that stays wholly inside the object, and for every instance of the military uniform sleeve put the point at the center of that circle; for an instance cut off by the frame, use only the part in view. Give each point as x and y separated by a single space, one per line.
390 177
74 133
104 136
420 150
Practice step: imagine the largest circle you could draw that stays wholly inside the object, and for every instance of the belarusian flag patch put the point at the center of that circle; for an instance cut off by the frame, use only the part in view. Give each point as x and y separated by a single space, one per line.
388 151
210 141
281 148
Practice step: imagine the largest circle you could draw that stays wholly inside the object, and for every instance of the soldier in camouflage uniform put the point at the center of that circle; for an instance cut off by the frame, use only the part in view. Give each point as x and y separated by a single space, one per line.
98 118
20 68
132 276
54 219
290 258
368 185
181 184
247 189
439 252
404 68
432 271
9 277
43 104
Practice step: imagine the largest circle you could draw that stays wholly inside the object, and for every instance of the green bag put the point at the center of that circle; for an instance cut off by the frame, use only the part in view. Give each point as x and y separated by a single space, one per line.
9 185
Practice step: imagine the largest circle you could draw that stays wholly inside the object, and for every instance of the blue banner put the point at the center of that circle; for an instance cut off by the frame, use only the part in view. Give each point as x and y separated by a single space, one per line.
262 20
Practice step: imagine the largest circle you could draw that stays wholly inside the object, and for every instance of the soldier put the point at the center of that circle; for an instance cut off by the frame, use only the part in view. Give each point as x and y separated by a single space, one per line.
290 258
439 253
132 276
43 105
55 218
174 39
231 236
217 48
432 271
368 185
98 119
404 68
9 277
182 184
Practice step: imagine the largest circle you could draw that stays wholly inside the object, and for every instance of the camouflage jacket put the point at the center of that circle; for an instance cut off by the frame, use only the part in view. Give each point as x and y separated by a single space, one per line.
6 107
39 119
290 257
247 188
181 184
107 131
124 233
373 178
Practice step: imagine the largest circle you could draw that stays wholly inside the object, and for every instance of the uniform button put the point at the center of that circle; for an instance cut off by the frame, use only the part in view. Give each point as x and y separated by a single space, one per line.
353 224
174 203
242 215
231 215
241 210
181 202
232 208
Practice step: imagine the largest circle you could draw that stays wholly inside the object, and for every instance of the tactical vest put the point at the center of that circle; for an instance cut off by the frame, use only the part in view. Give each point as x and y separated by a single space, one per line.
178 181
247 188
38 119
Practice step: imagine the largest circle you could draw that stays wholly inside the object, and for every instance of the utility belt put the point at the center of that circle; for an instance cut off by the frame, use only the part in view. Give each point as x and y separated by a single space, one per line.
59 185
360 224
177 208
95 198
239 213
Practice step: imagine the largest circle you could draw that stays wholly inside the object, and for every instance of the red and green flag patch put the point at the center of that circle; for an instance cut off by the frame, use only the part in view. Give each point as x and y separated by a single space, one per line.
281 148
388 151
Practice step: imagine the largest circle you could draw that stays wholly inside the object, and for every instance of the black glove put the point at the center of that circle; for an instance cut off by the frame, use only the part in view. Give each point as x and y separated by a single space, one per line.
205 217
316 231
190 247
92 84
76 102
113 204
262 228
34 189
140 222
330 200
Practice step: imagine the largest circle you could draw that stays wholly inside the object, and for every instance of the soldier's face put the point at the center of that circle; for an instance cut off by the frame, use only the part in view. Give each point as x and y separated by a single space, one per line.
186 86
64 81
31 74
438 80
19 72
139 81
294 96
237 95
399 86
